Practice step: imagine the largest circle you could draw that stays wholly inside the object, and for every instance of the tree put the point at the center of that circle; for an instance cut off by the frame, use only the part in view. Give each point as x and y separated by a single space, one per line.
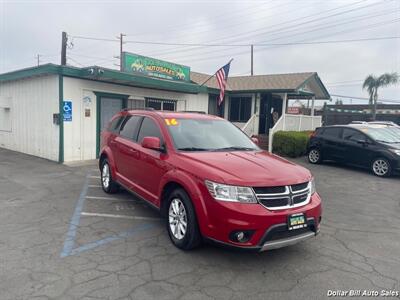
373 83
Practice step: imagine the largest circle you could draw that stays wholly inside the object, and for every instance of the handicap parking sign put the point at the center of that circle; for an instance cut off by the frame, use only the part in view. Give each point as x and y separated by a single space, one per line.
67 111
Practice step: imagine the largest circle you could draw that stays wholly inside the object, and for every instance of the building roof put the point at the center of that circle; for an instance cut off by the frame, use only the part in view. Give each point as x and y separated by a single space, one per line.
307 82
297 85
97 73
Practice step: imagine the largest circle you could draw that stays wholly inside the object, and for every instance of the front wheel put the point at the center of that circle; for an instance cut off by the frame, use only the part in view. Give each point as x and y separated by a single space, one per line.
181 222
107 182
314 156
381 167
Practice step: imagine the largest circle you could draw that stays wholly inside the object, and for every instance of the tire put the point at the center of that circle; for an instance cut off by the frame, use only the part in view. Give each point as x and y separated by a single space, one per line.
381 167
107 182
314 156
180 210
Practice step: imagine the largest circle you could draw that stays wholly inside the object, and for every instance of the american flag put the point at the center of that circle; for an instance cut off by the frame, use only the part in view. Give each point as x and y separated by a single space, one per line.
222 76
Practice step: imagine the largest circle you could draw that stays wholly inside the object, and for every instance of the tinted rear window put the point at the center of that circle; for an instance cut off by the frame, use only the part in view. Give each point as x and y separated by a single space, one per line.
114 125
332 132
129 128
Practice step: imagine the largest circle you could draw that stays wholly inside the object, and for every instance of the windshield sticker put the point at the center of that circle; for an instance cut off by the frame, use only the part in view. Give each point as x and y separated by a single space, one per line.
171 122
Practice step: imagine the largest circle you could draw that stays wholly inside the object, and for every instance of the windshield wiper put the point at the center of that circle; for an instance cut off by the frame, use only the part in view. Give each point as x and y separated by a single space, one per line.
193 149
386 142
234 148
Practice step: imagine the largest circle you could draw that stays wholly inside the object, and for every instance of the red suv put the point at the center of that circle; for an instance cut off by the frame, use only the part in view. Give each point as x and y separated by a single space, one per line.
209 179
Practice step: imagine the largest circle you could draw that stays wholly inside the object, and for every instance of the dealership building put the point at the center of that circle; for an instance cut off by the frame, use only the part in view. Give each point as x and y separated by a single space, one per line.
57 112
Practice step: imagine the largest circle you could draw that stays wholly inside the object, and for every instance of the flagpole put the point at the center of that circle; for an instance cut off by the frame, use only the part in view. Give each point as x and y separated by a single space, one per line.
215 73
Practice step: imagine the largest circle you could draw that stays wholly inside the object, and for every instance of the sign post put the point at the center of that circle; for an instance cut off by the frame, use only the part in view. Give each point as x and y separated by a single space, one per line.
67 111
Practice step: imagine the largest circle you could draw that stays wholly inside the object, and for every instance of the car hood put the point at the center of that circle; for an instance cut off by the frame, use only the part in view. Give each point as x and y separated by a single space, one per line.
246 168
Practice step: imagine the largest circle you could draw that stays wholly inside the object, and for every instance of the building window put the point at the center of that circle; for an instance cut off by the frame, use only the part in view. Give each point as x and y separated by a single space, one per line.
5 114
239 109
160 104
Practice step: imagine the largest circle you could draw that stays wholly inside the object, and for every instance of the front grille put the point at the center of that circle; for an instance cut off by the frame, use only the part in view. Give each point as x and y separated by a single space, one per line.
270 190
299 187
275 202
283 197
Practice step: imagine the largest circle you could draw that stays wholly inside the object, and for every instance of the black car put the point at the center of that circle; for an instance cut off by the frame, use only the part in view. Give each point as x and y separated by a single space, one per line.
372 146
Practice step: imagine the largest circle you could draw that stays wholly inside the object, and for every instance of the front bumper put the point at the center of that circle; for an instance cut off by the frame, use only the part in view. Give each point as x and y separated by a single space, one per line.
270 229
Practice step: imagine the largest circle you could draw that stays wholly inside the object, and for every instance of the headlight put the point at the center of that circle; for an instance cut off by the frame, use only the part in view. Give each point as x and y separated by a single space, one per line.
312 186
231 193
395 151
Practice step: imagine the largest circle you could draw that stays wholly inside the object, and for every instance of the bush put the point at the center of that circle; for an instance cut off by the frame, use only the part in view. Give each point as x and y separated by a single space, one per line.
290 143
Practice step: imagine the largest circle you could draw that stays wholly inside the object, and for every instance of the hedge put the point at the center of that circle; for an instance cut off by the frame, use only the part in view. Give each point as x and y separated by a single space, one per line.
290 143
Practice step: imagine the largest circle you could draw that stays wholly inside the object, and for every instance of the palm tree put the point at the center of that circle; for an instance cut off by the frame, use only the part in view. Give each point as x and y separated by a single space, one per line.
373 83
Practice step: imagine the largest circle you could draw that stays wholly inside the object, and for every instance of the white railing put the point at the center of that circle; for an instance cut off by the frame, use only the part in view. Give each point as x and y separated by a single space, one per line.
250 127
279 125
294 123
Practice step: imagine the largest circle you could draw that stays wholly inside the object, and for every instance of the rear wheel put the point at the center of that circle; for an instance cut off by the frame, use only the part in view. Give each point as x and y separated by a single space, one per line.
381 167
314 156
107 182
181 221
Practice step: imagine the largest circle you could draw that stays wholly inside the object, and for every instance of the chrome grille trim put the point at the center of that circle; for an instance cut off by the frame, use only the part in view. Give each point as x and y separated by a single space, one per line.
289 194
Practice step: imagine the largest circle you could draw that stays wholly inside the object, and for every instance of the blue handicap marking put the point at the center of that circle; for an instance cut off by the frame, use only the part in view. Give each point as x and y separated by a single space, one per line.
67 111
69 243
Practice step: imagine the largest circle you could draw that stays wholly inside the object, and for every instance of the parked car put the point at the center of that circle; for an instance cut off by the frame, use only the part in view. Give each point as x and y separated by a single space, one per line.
376 147
387 123
210 180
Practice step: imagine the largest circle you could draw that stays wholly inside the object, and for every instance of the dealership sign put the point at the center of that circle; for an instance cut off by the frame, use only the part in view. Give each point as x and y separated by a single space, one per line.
148 66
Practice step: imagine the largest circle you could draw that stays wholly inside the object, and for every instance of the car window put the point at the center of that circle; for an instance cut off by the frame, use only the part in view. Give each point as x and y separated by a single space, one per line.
332 132
149 128
114 125
129 127
353 135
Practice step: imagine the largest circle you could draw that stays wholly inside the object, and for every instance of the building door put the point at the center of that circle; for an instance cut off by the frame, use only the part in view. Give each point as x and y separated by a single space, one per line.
265 106
214 108
270 112
107 106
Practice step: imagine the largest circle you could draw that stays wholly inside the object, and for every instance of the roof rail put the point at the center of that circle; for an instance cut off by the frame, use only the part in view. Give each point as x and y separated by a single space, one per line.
193 112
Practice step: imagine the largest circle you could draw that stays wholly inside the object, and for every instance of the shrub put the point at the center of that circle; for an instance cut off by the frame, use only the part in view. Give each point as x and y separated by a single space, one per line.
290 143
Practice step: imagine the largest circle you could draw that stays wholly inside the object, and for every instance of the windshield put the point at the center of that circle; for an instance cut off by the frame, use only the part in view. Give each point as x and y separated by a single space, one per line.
208 135
389 135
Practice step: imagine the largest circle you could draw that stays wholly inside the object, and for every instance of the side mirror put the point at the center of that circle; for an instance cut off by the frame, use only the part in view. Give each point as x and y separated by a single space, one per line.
362 142
255 141
152 142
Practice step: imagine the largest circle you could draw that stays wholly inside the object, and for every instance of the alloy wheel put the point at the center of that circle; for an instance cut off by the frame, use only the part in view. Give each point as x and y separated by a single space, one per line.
380 167
313 156
177 218
105 176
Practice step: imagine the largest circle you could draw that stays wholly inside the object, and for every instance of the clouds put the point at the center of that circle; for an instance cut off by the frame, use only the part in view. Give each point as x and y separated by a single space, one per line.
28 28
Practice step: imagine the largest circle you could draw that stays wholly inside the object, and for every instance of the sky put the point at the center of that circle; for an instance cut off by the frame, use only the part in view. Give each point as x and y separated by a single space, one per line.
29 28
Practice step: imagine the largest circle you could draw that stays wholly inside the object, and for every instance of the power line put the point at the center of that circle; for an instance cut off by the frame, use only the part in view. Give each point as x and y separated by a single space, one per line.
248 34
263 44
364 98
286 36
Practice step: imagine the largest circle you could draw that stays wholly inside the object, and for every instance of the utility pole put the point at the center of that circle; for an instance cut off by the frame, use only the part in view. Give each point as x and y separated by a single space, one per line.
64 40
121 43
38 59
252 61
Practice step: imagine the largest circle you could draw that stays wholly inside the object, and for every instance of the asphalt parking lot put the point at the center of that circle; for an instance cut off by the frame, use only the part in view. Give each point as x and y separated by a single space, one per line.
61 237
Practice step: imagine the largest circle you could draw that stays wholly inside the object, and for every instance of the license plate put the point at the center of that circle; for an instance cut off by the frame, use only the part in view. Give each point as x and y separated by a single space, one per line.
297 221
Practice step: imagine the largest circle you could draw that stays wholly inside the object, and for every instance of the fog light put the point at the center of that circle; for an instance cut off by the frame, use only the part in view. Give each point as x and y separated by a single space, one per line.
240 236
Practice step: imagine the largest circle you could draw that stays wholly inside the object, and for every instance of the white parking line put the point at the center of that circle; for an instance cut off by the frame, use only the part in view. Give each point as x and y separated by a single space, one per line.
88 214
106 198
92 176
94 185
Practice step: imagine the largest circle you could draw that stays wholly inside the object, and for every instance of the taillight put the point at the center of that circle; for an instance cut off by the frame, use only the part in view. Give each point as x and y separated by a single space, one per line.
313 134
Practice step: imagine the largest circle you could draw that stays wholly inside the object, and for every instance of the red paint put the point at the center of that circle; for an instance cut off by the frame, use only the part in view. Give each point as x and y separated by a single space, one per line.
147 171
